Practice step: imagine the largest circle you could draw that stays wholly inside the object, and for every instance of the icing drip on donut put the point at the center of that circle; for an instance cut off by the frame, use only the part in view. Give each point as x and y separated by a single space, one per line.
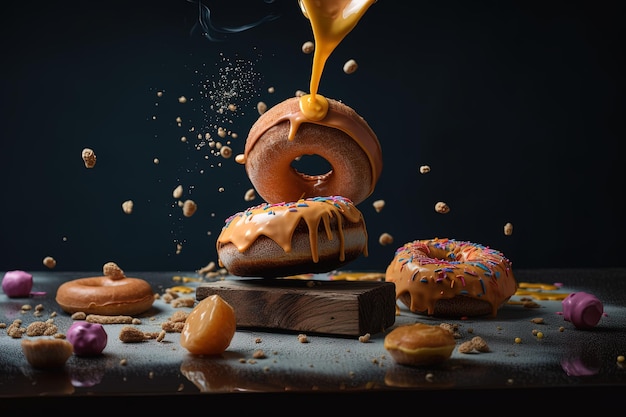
279 221
432 270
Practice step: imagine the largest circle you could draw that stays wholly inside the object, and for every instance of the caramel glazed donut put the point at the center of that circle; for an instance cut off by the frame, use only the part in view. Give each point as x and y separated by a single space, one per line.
311 235
283 134
444 277
106 296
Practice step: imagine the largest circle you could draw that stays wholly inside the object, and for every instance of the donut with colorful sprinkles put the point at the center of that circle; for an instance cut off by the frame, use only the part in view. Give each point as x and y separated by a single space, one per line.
311 235
447 277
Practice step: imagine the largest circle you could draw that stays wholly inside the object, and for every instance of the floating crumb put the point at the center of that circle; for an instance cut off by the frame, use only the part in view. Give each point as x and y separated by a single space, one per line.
49 262
189 208
308 47
112 270
178 192
365 338
261 107
156 161
424 169
89 157
271 90
350 66
127 206
226 152
250 195
442 207
182 99
508 229
378 205
299 93
302 338
385 239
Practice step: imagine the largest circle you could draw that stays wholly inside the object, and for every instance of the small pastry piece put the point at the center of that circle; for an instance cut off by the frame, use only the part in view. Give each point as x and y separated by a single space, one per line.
446 277
47 353
17 284
313 235
419 344
582 309
88 339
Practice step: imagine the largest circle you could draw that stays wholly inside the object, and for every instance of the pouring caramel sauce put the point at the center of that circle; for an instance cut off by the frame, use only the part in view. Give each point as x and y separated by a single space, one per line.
331 21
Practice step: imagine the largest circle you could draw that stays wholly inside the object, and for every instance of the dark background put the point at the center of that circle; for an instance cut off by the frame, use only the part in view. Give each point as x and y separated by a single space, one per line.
517 106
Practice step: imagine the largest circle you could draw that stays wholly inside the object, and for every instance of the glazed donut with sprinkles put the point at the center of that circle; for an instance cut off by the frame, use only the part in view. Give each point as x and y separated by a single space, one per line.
446 277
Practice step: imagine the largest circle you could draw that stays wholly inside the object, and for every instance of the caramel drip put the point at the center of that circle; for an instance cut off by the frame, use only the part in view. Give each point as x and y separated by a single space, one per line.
359 132
279 221
442 269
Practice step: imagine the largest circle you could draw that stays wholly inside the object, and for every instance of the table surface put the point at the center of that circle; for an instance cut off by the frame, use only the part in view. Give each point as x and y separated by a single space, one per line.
328 366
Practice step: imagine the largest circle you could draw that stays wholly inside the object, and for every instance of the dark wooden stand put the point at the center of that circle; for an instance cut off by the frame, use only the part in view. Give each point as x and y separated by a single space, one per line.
349 308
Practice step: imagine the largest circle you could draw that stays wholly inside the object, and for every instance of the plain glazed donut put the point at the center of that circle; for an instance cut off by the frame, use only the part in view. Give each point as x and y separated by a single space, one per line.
312 235
283 134
106 296
444 277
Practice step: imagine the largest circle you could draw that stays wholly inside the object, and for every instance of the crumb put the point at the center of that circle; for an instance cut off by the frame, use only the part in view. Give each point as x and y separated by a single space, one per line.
101 319
302 338
172 327
123 362
179 316
207 268
466 347
250 195
26 307
40 328
257 340
308 47
226 152
508 229
127 206
130 334
49 262
183 302
189 208
261 107
161 336
79 315
538 320
350 66
89 157
111 270
258 354
480 344
365 338
15 329
385 239
442 207
378 205
530 304
178 192
424 169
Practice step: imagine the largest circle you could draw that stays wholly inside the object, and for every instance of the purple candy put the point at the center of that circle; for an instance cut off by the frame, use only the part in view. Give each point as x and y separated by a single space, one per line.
88 339
582 309
17 283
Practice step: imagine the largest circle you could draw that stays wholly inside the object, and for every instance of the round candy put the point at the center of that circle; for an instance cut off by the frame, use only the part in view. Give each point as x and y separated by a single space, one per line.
582 309
17 283
88 339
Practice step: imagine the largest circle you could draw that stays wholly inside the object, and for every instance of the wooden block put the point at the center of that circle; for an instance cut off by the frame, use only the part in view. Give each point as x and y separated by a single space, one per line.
349 308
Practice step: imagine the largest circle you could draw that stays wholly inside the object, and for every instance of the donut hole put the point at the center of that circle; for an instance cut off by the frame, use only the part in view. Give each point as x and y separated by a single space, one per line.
312 166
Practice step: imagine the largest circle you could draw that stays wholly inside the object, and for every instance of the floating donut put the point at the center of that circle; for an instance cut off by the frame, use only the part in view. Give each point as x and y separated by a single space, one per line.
445 277
312 235
283 134
106 296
